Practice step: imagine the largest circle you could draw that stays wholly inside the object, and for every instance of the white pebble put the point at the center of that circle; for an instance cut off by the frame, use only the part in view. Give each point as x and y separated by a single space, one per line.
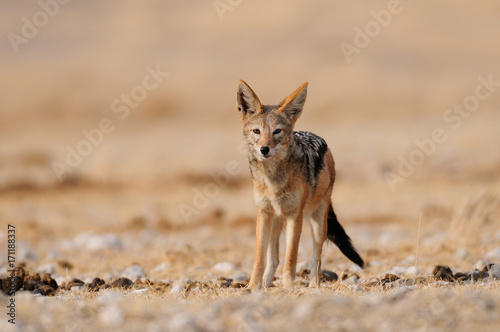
352 280
398 270
47 268
356 288
239 277
224 267
138 291
133 272
177 289
480 265
413 271
495 271
160 267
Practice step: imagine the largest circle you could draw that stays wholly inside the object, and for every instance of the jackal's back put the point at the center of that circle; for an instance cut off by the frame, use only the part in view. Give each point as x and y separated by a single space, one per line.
311 148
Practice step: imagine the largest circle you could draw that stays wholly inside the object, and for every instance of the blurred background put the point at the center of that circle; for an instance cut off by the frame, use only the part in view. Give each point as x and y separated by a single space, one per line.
64 66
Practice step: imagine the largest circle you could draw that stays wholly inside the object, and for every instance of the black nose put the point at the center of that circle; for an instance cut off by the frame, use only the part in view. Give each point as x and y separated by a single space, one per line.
264 150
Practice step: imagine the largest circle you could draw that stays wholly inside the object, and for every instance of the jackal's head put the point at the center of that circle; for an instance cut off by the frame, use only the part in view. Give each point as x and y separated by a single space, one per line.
268 130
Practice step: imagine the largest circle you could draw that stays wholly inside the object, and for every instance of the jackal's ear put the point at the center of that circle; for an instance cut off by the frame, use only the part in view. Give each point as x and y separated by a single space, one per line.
248 102
292 105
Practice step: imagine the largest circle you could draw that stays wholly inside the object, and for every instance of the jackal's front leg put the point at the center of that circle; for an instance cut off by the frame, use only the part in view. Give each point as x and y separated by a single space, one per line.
293 230
262 240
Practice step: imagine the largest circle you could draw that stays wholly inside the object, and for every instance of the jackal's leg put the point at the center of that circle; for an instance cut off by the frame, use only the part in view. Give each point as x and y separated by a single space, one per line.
273 251
319 228
293 230
262 234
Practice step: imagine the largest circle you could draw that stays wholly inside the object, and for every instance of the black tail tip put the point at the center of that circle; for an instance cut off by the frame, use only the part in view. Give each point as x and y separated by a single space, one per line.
337 235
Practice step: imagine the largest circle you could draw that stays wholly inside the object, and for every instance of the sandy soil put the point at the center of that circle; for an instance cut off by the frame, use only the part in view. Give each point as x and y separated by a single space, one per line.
416 91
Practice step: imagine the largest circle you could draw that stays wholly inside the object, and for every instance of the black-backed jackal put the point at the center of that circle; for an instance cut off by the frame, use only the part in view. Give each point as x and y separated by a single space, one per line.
293 174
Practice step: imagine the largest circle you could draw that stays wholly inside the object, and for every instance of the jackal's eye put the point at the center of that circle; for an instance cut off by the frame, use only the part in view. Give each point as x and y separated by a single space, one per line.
256 131
277 131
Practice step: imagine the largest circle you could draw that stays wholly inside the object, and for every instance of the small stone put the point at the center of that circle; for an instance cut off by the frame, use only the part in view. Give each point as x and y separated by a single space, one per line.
410 282
480 265
495 271
225 267
45 290
239 277
398 270
134 272
413 271
96 284
47 279
224 282
47 268
443 273
352 280
460 276
329 276
7 282
124 283
479 275
356 288
389 278
394 284
160 267
487 268
177 289
138 291
74 282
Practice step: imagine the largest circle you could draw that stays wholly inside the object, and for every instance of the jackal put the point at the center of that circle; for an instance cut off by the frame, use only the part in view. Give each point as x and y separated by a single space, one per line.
293 174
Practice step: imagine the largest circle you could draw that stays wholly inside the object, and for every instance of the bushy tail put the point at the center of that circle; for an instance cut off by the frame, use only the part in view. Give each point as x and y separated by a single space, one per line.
337 235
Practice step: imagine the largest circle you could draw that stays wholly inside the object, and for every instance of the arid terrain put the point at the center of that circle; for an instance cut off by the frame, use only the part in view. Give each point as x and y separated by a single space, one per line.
121 157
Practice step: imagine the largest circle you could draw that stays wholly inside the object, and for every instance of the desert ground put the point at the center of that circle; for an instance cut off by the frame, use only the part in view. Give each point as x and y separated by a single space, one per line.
121 156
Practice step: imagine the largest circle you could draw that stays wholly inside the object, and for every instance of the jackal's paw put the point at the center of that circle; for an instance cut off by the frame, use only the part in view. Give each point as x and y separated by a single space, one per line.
288 284
254 286
313 283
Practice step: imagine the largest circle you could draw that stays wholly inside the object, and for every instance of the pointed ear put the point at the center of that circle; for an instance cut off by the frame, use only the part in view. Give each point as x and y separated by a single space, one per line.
292 105
248 102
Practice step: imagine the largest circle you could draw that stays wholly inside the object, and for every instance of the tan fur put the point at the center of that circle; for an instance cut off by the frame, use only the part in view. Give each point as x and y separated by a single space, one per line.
283 195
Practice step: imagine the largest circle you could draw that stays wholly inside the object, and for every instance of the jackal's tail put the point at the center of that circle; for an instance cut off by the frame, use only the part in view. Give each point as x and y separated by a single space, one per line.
337 235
